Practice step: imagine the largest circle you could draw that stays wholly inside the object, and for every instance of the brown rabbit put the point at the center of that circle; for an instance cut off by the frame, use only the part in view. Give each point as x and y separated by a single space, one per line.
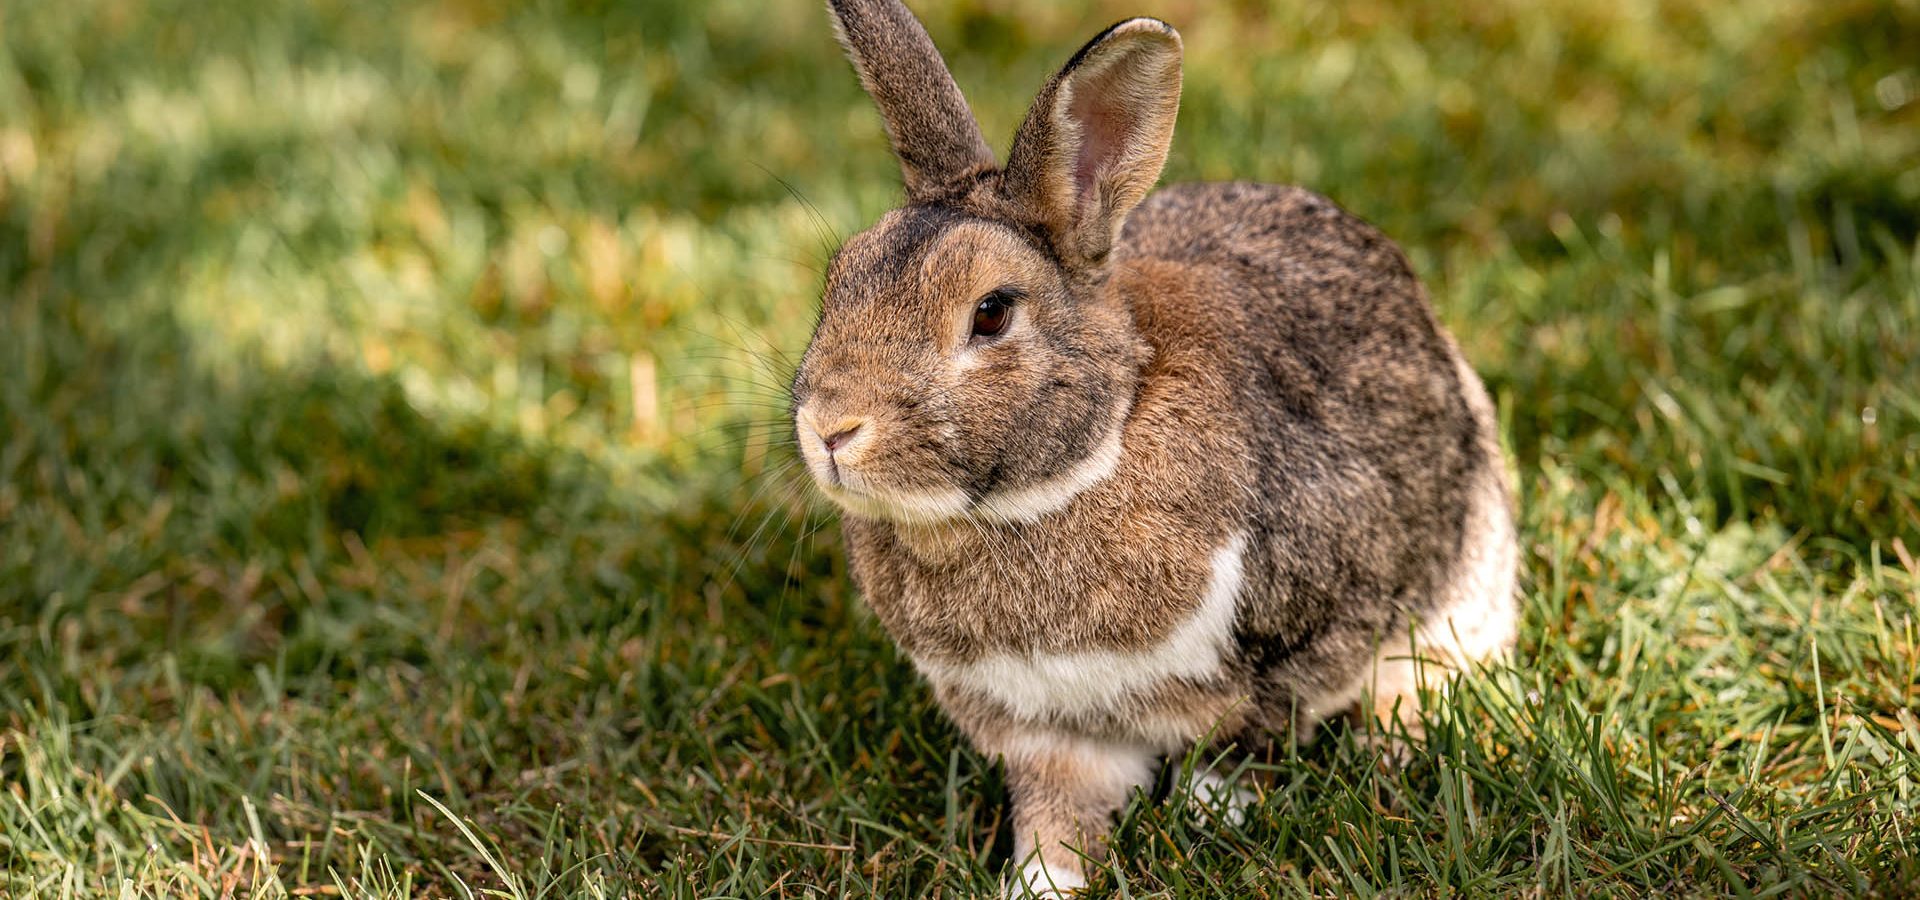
1121 473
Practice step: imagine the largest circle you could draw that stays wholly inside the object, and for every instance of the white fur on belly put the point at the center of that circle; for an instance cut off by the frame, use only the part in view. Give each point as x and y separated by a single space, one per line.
1033 686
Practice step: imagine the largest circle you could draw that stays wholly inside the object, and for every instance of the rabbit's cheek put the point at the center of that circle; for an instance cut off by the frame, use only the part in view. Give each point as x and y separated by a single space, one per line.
1031 502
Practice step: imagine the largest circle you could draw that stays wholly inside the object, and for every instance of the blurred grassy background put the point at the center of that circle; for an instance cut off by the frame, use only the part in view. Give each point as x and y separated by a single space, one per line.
391 398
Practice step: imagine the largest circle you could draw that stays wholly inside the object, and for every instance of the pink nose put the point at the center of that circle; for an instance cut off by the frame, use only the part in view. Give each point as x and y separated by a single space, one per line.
840 438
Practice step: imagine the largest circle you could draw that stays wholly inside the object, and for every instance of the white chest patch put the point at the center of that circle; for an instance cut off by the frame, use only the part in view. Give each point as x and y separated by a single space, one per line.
1033 686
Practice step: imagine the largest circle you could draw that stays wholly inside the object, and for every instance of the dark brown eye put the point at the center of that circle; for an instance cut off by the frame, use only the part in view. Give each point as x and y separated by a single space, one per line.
991 315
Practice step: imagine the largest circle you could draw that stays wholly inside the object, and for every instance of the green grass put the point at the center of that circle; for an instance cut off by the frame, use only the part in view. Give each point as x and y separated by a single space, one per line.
391 501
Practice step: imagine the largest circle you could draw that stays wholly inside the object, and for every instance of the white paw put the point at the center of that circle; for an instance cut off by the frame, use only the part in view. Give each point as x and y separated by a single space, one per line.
1213 798
1394 749
1041 883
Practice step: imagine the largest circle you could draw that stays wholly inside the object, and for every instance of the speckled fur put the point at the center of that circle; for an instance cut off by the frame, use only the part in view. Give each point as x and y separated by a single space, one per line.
1293 426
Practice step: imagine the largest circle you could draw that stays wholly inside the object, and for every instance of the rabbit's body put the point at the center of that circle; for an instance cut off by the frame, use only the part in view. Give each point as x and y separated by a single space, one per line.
1276 516
1125 472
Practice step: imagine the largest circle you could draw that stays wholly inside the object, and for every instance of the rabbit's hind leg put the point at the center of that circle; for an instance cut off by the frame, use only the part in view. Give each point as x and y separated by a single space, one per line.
1477 621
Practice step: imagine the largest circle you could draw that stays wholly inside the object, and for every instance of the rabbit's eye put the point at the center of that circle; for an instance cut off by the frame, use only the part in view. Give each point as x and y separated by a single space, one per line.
991 314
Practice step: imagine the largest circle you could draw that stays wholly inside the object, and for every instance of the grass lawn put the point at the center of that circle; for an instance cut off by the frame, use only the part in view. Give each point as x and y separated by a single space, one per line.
393 502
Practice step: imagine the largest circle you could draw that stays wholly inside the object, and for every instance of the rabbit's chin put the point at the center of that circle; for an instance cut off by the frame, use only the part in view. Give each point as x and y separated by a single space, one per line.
905 506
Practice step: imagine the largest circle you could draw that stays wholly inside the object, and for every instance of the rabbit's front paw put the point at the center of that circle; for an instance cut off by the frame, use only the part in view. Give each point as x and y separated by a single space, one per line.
1214 797
1039 881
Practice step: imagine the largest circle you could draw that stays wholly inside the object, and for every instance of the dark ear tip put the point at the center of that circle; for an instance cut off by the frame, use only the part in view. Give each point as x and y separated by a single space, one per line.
1144 26
1129 31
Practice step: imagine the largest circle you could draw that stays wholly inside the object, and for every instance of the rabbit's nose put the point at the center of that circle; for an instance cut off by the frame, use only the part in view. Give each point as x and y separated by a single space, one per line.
838 435
842 437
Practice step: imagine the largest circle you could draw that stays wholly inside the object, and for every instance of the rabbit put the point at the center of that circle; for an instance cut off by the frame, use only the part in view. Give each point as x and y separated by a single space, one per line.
1125 473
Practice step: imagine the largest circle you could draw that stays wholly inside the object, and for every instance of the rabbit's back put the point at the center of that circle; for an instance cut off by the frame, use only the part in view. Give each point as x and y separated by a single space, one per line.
1372 445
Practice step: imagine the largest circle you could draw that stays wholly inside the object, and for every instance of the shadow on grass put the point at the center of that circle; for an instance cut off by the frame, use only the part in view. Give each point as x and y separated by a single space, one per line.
291 586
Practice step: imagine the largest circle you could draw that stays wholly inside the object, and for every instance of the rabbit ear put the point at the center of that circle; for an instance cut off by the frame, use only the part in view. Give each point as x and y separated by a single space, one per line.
1093 144
933 132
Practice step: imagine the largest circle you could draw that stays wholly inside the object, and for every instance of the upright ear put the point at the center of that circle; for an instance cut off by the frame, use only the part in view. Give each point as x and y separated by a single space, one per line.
1094 142
932 130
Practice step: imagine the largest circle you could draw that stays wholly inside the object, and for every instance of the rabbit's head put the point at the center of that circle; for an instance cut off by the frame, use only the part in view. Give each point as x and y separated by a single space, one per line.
972 356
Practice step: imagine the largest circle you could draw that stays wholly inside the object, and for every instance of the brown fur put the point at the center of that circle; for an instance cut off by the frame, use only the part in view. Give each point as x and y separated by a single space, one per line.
927 119
1275 381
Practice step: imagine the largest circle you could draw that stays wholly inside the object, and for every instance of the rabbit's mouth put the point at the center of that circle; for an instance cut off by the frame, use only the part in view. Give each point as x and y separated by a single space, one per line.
839 459
842 450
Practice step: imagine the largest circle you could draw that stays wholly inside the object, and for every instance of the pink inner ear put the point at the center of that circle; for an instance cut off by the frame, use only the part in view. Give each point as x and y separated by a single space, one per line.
1105 124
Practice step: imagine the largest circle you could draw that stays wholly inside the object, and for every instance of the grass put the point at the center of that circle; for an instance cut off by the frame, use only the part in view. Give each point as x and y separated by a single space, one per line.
391 502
